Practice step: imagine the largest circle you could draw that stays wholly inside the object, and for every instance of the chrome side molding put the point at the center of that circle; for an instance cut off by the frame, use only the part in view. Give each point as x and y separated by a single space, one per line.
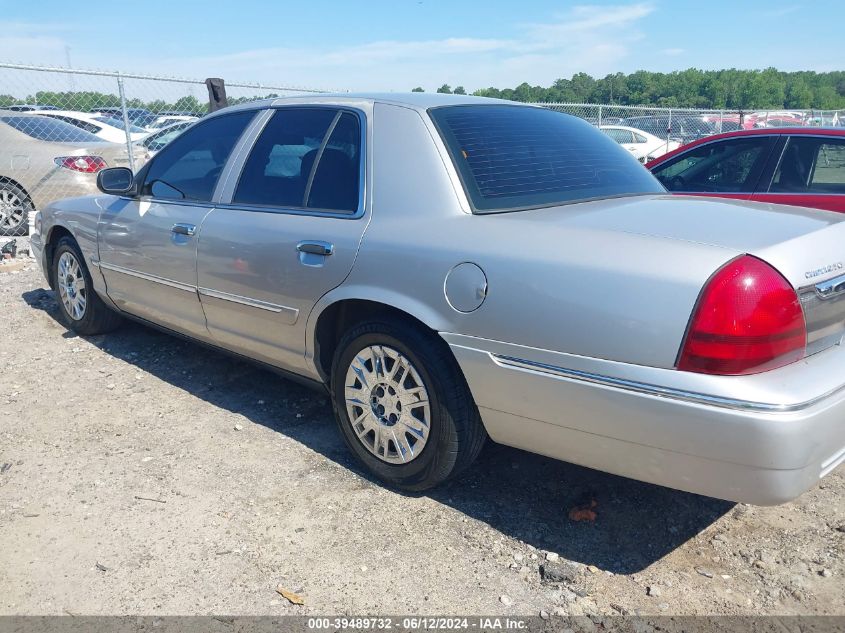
291 313
146 276
564 373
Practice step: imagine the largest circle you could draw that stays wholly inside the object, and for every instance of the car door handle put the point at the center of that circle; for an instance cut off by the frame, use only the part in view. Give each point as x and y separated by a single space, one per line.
184 229
315 247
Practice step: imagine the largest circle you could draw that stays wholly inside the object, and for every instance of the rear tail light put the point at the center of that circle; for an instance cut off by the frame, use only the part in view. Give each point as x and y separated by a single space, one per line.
86 164
748 319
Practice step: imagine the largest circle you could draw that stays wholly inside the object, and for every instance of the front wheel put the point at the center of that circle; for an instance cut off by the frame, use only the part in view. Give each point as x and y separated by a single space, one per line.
81 309
403 406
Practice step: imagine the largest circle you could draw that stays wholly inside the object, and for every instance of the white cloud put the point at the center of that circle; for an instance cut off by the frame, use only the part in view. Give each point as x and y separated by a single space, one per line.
592 39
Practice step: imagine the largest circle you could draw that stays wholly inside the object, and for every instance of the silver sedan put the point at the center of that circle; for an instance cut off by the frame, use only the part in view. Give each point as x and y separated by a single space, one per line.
452 268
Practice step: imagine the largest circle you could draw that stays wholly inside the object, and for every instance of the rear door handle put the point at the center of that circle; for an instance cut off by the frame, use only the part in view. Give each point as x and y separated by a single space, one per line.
315 247
184 229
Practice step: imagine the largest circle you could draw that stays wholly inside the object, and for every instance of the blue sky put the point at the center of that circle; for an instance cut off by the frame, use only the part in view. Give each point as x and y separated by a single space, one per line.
399 44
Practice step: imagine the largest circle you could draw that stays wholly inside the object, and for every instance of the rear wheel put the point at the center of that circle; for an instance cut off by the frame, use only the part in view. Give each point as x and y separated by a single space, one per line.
403 406
15 207
81 309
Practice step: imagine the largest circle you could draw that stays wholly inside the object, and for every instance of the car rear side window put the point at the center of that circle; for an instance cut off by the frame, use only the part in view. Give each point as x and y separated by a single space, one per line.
82 125
304 158
811 165
517 157
190 165
44 128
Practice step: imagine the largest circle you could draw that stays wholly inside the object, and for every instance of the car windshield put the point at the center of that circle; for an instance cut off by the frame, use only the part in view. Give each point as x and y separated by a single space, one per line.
515 157
119 124
46 129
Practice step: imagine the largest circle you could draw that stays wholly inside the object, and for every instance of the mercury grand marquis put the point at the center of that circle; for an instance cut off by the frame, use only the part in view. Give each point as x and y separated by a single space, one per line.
452 268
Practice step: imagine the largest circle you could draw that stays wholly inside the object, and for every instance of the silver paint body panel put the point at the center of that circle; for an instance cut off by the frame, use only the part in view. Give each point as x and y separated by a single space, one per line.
572 352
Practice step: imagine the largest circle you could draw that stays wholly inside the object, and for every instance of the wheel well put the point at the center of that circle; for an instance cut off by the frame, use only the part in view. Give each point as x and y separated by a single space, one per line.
57 233
12 181
339 317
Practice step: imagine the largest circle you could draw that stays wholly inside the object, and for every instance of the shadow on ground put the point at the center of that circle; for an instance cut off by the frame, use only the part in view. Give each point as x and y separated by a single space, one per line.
520 494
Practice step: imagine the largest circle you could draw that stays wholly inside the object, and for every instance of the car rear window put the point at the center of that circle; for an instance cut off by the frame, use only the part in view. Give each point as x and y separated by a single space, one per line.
515 157
46 129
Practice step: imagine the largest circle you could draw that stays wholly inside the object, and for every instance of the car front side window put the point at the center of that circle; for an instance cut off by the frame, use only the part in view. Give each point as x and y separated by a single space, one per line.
723 167
190 165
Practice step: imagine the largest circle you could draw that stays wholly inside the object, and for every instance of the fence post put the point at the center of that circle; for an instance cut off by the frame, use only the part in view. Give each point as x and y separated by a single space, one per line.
599 115
721 121
669 130
125 122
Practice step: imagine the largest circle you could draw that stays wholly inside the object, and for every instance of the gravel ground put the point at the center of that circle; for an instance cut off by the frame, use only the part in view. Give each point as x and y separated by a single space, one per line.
143 474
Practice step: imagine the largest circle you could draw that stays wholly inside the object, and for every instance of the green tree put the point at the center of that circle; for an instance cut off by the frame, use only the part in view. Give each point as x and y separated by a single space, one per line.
417 89
692 88
445 89
460 90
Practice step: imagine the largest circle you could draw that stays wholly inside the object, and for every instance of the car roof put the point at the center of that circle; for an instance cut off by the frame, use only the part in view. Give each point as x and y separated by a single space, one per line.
627 128
763 131
71 113
37 113
415 100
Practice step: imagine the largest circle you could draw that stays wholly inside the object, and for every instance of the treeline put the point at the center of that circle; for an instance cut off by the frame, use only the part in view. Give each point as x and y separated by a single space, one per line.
85 101
729 89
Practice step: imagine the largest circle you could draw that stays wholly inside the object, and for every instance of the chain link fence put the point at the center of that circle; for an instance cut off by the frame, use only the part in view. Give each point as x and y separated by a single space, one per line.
651 132
58 128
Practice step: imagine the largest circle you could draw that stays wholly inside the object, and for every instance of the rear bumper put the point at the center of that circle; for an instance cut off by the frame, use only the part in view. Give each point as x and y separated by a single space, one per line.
62 183
761 439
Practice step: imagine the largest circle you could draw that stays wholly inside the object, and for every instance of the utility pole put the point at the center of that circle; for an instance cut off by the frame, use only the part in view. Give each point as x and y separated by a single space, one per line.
71 80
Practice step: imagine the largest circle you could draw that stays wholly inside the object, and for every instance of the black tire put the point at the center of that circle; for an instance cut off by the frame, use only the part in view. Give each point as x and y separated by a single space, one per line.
456 433
15 222
97 317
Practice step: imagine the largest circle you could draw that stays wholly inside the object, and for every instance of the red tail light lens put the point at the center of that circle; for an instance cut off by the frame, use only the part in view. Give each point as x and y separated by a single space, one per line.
86 164
748 319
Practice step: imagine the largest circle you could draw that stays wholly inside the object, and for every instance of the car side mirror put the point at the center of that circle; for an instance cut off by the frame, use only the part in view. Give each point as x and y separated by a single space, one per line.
116 181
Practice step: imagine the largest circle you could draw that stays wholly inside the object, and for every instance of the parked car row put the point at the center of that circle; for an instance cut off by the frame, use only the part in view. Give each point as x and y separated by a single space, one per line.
49 154
144 118
451 268
642 145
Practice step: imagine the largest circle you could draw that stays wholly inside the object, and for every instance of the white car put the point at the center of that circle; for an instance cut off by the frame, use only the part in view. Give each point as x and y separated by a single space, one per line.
100 125
150 145
642 145
169 119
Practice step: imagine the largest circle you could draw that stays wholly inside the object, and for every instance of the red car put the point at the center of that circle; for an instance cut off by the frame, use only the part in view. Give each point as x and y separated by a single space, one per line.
803 166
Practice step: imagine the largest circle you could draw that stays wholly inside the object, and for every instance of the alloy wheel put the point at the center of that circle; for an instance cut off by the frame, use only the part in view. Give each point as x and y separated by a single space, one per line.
12 210
387 404
71 283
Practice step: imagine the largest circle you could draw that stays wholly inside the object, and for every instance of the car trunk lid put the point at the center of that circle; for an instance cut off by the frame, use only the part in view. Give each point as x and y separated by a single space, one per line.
807 246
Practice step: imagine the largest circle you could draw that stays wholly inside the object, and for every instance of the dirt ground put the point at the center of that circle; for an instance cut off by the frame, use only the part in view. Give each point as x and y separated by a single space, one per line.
142 474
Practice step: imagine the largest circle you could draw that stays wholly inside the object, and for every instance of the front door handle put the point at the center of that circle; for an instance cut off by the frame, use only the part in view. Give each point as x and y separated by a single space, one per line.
184 229
315 247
